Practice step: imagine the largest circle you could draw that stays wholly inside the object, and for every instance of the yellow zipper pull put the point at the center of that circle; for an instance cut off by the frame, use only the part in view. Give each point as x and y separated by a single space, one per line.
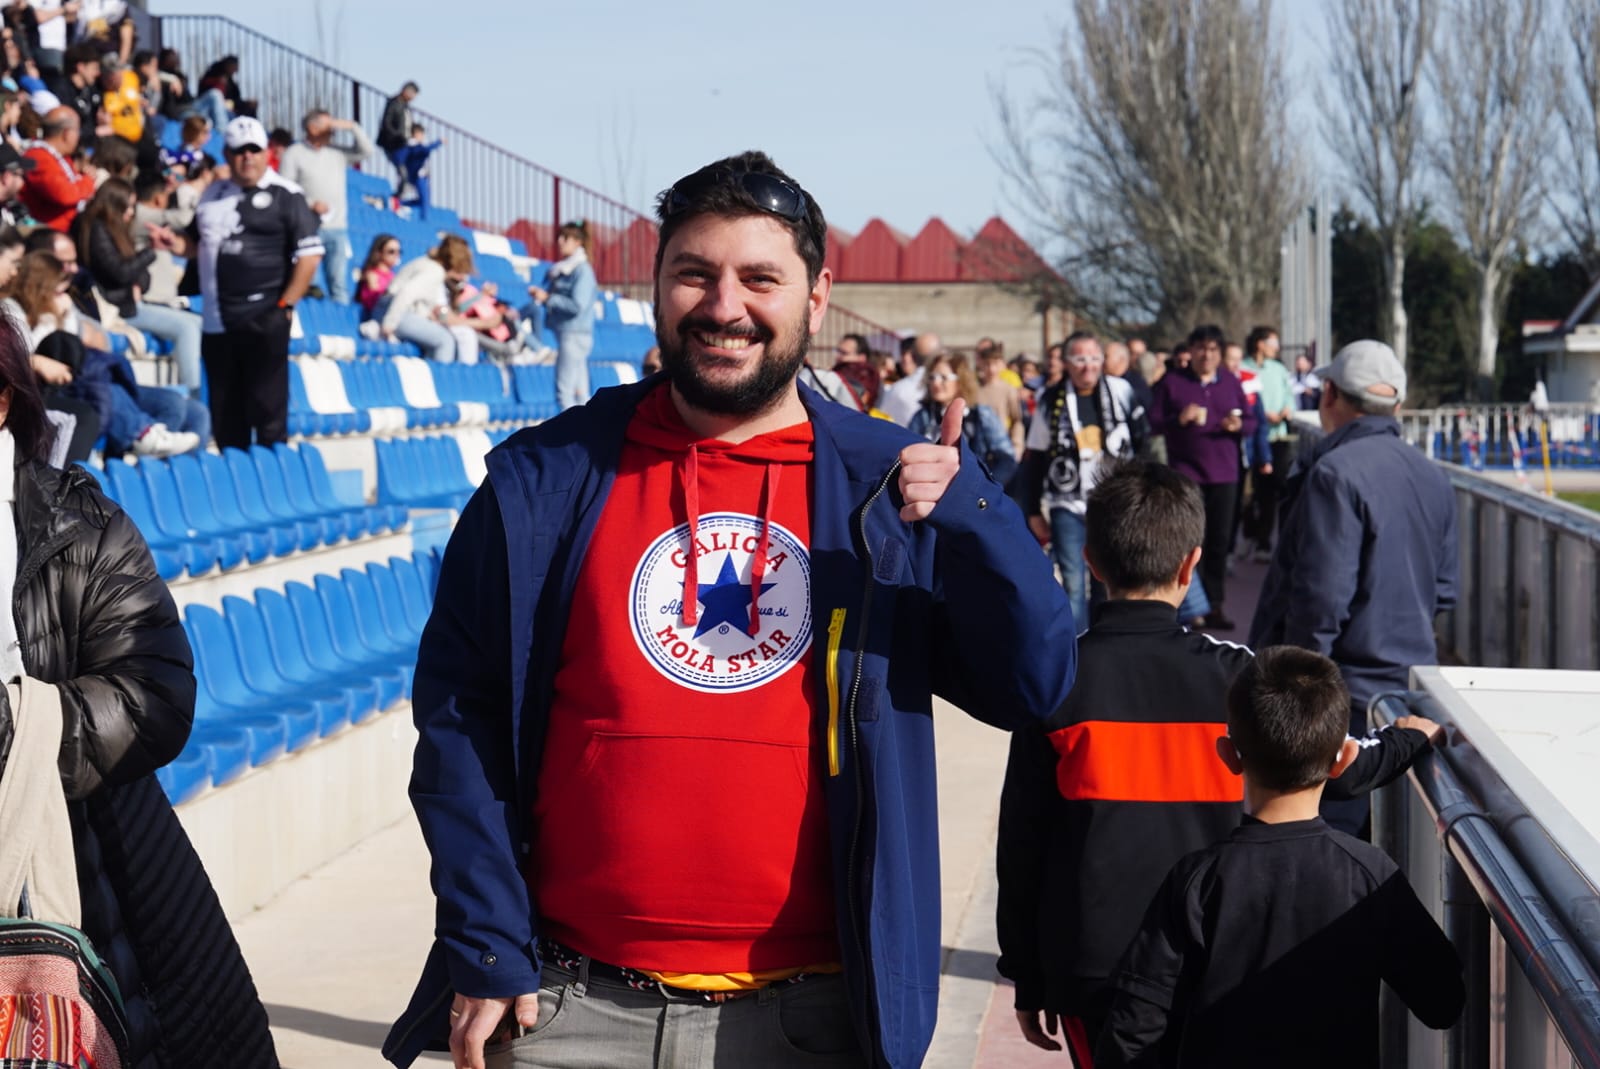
831 669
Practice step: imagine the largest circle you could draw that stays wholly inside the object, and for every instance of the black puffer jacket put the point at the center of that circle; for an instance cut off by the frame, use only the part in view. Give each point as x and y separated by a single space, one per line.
94 618
114 273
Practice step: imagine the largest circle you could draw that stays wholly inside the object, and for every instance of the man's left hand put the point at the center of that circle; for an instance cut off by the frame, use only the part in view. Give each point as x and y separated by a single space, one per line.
927 468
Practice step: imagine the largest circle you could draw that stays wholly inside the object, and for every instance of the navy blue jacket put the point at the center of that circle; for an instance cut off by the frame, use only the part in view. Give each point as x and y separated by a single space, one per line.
1366 557
962 605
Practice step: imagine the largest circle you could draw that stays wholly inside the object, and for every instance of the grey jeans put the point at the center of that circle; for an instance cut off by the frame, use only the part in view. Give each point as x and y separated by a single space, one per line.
601 1024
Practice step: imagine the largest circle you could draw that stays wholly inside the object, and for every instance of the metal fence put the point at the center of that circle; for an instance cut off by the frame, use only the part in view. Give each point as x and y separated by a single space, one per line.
491 188
1519 912
1506 436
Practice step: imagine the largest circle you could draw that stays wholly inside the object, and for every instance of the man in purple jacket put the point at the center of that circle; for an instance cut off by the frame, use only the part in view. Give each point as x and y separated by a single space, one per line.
1203 412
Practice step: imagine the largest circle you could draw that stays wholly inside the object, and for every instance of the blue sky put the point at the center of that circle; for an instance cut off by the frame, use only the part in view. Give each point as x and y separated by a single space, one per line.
879 107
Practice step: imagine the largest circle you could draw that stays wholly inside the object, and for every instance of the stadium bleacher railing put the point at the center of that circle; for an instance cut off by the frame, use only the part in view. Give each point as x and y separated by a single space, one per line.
486 186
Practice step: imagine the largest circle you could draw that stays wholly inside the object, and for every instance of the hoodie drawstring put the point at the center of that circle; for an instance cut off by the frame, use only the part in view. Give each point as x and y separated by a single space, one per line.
691 505
758 565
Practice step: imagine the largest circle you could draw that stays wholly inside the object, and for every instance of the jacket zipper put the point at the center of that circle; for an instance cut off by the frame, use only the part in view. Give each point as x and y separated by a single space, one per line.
835 635
857 917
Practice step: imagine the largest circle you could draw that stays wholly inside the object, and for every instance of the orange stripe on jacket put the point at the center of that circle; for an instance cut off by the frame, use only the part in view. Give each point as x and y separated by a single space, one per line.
1117 761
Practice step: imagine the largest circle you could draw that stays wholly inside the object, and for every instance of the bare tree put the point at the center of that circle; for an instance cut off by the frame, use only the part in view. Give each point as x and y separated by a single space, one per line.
1575 192
1497 82
1159 158
1378 51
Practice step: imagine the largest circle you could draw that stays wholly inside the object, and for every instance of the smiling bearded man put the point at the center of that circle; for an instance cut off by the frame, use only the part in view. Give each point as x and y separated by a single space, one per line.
676 763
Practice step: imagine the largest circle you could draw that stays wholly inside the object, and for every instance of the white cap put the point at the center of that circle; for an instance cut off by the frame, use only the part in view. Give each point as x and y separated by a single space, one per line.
244 131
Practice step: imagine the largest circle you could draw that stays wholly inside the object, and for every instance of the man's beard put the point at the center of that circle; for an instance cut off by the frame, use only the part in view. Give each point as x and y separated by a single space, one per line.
756 392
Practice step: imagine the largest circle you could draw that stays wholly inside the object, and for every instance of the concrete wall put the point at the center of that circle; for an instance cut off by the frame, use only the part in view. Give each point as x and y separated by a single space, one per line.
960 313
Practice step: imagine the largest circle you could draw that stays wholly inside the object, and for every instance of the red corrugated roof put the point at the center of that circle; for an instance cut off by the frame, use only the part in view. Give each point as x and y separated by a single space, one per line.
838 241
934 255
997 254
874 255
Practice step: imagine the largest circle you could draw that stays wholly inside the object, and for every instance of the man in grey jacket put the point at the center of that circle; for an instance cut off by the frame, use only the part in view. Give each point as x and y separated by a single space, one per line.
1367 554
318 167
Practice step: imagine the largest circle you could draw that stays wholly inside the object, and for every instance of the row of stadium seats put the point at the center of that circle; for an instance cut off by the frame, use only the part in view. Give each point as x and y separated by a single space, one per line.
278 671
222 510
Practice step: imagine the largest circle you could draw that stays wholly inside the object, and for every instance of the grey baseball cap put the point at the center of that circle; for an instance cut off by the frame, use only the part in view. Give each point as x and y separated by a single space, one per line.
1362 365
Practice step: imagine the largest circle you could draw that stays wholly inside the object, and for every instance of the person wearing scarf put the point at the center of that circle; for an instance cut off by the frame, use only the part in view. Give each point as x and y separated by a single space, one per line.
569 312
1082 420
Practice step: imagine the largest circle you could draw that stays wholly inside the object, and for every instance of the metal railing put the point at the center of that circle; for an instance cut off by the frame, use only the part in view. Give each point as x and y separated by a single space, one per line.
1506 436
1520 913
489 187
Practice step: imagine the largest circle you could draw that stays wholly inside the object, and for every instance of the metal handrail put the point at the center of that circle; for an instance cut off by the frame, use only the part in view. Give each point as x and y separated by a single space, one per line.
1538 927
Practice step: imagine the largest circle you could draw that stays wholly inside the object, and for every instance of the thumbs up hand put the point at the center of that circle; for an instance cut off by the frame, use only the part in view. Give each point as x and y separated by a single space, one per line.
927 468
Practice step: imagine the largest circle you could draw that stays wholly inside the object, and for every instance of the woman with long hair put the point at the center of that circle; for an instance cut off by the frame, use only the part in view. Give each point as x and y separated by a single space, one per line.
569 312
947 379
145 420
417 308
122 274
377 272
94 631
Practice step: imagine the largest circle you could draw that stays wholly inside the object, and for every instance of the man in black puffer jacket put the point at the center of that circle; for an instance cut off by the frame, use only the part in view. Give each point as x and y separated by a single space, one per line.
94 619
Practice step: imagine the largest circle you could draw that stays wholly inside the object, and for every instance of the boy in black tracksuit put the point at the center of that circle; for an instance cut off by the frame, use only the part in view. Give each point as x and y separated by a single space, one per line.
1267 949
1124 780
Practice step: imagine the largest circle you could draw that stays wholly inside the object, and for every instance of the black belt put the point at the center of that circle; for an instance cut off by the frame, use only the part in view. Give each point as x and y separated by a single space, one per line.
574 961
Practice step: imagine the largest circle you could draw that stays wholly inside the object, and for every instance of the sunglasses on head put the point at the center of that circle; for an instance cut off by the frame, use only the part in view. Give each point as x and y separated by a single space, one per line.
771 193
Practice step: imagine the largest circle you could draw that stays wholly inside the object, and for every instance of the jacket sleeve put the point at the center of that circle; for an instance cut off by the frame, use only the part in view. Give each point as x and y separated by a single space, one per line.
463 781
1448 578
1247 413
1163 409
392 129
129 709
109 267
1005 643
361 149
1330 535
583 291
1026 803
1419 961
1148 982
409 291
1384 757
51 184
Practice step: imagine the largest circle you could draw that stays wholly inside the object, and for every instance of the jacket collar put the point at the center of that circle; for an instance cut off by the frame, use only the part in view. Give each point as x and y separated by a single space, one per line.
1134 616
1362 427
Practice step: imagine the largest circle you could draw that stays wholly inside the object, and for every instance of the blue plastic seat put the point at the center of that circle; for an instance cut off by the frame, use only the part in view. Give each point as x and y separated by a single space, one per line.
265 737
380 617
381 517
233 699
259 669
194 495
335 649
290 656
285 460
428 569
228 502
417 601
257 505
168 510
186 776
352 635
199 555
226 749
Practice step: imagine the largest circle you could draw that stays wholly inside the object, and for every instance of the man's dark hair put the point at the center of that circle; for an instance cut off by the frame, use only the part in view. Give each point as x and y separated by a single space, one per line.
142 57
147 185
411 86
80 54
1142 520
908 344
862 347
1206 333
280 137
1077 336
1254 340
1288 714
1058 350
717 189
43 239
11 238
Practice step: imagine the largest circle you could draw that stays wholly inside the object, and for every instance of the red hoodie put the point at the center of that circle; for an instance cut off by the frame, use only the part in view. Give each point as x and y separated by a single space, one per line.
680 823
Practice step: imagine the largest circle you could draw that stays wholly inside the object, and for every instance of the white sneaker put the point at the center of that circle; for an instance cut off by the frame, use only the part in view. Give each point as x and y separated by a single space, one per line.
372 330
159 441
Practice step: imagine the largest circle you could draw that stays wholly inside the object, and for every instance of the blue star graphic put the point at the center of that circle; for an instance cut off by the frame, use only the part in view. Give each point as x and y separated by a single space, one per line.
727 601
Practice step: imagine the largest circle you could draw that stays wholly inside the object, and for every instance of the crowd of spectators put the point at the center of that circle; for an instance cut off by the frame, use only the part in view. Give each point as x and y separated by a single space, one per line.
1219 413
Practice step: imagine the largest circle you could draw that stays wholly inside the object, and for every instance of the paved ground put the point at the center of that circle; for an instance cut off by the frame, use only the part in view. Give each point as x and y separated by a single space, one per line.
335 956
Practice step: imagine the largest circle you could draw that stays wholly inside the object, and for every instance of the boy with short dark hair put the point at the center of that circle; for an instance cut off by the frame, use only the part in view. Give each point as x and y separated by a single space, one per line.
1266 949
1123 781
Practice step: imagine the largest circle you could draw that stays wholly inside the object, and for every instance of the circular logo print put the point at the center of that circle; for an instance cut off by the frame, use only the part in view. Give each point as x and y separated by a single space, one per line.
721 652
261 201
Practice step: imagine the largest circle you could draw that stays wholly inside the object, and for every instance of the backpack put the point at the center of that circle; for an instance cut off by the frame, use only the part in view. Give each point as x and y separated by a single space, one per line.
59 1004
